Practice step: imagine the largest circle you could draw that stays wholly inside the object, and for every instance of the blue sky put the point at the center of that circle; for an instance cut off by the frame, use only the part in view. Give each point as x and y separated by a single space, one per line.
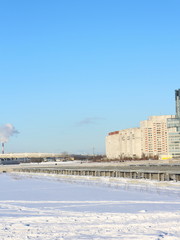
73 70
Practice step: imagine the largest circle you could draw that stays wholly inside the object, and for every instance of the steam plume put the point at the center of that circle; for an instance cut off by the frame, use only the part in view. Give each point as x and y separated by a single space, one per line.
7 131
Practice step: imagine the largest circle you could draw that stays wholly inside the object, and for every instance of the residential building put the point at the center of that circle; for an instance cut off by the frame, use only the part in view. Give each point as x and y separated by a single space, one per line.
174 129
156 136
124 144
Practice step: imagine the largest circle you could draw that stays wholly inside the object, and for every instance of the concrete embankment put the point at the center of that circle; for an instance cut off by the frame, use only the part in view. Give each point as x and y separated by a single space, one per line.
6 168
134 174
153 170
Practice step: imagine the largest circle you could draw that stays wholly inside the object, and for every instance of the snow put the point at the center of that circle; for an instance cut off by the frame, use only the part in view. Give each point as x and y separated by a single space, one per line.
74 207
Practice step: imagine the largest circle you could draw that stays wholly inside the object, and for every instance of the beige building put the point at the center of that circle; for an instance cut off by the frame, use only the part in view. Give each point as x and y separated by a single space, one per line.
149 140
154 136
124 143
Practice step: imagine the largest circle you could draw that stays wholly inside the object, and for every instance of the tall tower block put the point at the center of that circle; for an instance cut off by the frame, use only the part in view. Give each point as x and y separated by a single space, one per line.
177 98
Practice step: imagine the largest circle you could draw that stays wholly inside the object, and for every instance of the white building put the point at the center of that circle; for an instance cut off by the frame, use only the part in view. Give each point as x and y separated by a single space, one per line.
124 143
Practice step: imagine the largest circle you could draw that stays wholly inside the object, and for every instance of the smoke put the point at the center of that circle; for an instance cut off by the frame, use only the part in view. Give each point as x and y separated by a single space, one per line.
7 131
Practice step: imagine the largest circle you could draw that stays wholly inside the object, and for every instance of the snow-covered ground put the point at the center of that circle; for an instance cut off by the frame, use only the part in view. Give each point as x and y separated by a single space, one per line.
63 207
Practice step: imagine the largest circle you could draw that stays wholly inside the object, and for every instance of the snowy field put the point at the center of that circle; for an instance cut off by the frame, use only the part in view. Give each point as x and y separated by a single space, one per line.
44 207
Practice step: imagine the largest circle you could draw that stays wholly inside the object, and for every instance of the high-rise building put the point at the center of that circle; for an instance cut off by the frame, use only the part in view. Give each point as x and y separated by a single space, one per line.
154 140
177 99
174 129
157 136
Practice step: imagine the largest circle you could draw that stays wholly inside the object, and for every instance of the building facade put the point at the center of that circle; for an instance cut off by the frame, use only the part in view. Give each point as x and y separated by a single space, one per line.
157 136
124 144
154 136
174 129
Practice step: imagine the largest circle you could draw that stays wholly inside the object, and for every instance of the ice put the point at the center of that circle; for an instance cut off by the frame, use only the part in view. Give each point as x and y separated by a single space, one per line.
65 207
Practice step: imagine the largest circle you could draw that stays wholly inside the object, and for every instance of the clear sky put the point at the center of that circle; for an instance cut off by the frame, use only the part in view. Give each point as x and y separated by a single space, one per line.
73 70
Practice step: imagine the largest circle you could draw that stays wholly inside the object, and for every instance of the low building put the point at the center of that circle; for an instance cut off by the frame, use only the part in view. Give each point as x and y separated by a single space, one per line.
124 143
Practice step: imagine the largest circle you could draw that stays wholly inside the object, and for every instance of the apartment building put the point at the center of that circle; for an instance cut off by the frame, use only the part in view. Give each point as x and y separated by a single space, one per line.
124 143
156 136
173 125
